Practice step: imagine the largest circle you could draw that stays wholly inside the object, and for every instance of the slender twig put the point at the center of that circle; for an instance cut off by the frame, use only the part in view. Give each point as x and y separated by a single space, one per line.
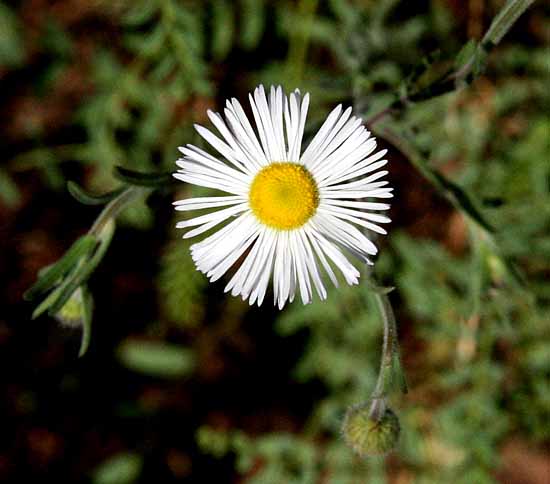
114 207
299 41
501 24
380 115
504 20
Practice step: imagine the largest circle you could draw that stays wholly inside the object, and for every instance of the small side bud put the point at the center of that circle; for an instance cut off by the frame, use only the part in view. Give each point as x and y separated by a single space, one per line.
76 313
371 428
71 315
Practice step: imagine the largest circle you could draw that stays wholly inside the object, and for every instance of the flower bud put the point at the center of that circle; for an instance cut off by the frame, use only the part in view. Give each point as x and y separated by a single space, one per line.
371 428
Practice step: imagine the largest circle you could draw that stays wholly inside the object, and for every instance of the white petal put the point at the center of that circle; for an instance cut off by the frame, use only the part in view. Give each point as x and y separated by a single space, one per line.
296 147
241 151
219 214
359 168
221 146
350 273
204 181
362 205
309 231
207 202
340 133
355 148
309 154
194 165
307 253
301 270
276 108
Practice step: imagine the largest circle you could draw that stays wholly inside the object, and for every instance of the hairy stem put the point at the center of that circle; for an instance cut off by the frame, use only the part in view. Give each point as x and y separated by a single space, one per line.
114 207
299 41
389 346
501 24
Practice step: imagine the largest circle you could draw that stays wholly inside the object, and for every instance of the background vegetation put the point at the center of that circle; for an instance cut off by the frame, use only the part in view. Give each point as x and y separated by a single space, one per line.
184 384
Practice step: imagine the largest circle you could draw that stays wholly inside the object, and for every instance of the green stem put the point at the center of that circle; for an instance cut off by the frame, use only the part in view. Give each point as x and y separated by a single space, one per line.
114 207
501 24
299 41
504 20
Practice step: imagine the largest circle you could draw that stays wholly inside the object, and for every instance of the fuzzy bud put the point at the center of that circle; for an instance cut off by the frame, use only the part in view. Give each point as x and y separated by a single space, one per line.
371 428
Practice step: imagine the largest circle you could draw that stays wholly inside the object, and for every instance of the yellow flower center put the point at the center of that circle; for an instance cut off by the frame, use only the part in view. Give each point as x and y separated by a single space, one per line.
284 195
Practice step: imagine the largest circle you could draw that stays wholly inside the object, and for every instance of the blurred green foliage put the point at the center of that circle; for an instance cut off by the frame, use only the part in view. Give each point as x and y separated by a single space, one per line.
156 359
121 468
476 339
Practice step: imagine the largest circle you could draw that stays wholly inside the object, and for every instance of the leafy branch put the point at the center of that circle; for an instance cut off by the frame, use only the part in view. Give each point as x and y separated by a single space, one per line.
62 286
469 63
362 420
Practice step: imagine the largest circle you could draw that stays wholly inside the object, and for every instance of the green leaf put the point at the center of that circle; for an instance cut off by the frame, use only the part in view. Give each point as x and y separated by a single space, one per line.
463 199
454 193
123 468
139 13
84 271
88 199
147 45
47 279
11 40
46 303
142 179
9 192
223 28
252 22
56 40
374 287
88 307
156 358
465 54
180 286
504 20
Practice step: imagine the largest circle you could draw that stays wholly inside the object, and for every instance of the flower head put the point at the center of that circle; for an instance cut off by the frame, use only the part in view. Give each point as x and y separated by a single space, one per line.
371 428
291 212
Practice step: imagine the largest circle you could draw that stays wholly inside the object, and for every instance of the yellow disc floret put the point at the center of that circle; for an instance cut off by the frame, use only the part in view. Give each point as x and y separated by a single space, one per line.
284 195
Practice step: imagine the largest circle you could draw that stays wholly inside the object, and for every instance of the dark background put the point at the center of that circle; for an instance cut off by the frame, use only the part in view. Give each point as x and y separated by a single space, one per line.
87 85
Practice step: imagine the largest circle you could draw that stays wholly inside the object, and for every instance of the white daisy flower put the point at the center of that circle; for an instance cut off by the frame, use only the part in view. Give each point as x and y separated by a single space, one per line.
291 211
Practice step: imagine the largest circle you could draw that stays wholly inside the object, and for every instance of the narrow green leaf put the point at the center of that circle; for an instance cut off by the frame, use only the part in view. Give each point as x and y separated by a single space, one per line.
88 303
12 45
504 20
142 179
46 303
465 54
377 288
84 271
81 248
9 193
156 358
450 190
86 198
464 200
252 22
223 23
398 375
139 13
